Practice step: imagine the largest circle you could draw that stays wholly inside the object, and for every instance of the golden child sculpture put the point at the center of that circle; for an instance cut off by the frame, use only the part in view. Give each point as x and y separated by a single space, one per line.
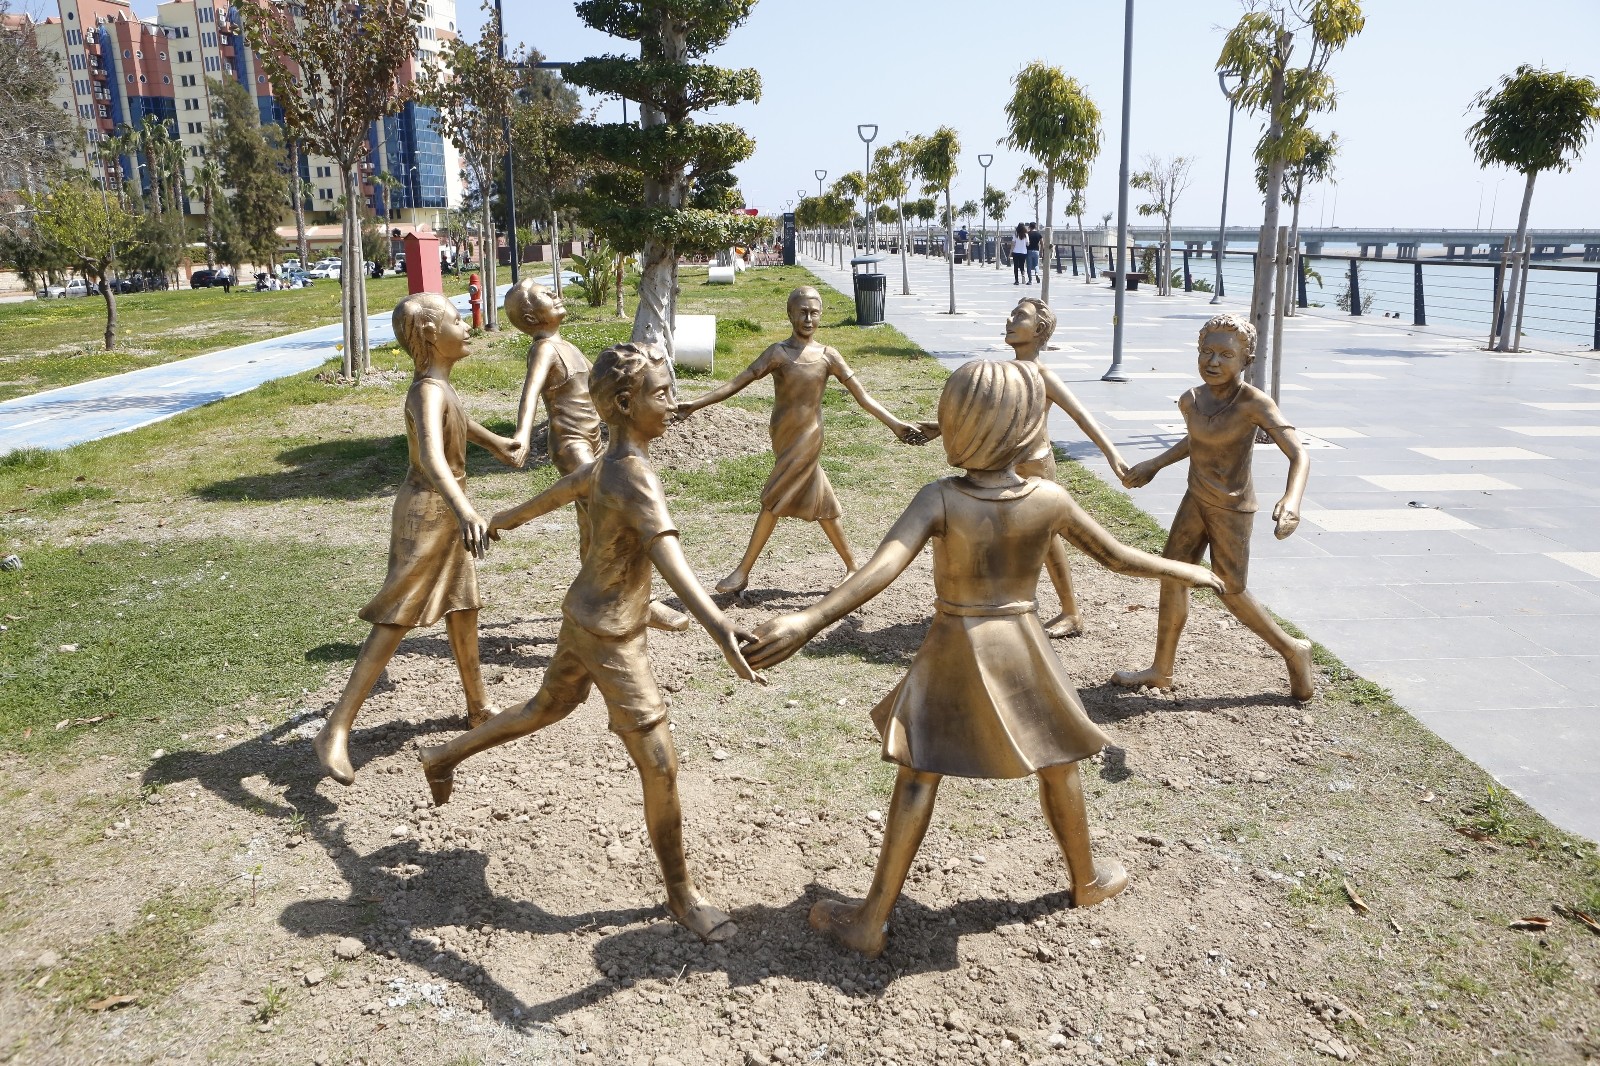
1028 329
559 374
1218 509
985 696
798 488
602 639
435 537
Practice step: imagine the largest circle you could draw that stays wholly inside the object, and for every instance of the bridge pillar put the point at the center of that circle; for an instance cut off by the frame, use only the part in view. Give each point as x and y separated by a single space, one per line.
1313 247
1405 250
1376 247
1591 253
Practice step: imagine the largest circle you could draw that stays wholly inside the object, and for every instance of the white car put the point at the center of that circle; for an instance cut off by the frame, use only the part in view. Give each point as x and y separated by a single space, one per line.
75 287
328 268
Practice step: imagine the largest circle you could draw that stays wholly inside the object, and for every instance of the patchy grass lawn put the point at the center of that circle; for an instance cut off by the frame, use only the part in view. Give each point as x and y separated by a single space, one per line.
1311 883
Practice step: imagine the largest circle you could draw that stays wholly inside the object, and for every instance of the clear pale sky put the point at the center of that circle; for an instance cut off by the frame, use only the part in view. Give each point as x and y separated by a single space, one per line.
1406 86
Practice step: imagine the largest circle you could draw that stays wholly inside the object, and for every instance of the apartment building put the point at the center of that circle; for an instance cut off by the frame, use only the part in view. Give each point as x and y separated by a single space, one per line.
117 67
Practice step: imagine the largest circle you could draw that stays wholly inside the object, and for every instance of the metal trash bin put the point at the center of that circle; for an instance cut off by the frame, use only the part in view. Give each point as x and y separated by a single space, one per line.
870 289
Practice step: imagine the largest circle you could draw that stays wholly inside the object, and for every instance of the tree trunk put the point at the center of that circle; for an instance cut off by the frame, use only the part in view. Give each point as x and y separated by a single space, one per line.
655 291
1083 241
1291 288
347 279
296 190
1165 287
660 258
111 308
1267 244
950 246
211 238
1513 286
1046 245
555 249
620 261
489 295
905 271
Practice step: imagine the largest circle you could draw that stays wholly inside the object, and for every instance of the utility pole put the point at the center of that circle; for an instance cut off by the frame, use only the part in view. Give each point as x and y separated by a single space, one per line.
1114 372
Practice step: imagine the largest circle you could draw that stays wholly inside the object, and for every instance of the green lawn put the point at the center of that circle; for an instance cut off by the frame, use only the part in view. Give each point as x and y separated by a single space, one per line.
45 344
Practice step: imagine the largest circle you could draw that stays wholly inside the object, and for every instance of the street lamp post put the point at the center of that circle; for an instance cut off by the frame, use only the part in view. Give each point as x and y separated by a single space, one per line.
984 159
1227 168
1114 371
820 174
800 194
862 131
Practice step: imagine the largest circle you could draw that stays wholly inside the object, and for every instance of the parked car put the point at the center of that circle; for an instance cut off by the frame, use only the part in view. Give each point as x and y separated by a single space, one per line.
327 268
75 287
205 279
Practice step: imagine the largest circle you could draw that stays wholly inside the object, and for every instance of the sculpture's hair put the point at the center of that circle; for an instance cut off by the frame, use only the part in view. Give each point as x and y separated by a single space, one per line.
991 412
1230 322
801 293
619 372
410 315
1046 317
528 305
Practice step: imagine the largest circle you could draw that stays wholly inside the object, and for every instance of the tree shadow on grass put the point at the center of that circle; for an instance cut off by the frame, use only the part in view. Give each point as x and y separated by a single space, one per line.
349 468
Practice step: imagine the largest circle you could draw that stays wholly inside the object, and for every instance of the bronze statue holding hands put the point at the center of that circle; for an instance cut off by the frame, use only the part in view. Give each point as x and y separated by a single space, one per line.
1218 510
985 696
436 537
798 487
602 641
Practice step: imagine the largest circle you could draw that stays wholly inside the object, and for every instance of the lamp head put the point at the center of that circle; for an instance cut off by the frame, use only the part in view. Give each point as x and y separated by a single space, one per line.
1224 77
984 159
867 132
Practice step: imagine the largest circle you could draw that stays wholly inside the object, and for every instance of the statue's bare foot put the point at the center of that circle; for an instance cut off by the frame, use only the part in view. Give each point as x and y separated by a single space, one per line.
733 584
703 918
1064 625
334 755
842 922
1109 879
1151 678
664 617
476 716
441 780
1300 668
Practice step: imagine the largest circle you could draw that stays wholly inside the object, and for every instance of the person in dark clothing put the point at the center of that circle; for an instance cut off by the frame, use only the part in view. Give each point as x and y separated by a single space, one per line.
1019 254
1035 242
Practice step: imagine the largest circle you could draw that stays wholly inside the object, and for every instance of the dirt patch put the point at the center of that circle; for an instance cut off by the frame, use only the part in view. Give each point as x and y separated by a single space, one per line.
522 921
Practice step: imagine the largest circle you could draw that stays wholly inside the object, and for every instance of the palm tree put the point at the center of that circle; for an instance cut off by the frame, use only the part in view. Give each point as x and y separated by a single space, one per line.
207 188
1053 119
1535 120
936 166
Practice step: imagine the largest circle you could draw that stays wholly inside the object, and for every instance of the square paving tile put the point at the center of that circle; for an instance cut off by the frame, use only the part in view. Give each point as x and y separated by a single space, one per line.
1479 455
1501 599
1563 406
1486 683
1555 431
1385 520
1588 562
1570 800
1526 740
1354 375
1461 637
1315 601
1558 634
1437 482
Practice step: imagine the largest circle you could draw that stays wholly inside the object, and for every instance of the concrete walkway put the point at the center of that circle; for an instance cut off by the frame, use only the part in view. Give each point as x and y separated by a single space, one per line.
106 406
1450 544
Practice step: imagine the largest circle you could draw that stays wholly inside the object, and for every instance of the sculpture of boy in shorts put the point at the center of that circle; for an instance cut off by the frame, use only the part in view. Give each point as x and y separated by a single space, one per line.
1218 510
602 638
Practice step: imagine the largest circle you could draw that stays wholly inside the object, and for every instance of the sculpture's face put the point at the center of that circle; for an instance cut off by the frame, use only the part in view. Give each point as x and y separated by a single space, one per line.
551 309
450 336
1023 324
805 315
1223 357
652 404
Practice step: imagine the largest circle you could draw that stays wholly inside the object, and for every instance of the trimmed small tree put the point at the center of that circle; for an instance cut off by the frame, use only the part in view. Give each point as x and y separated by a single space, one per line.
995 203
91 228
1533 120
469 90
935 164
252 171
336 67
1310 160
1163 181
1260 50
891 170
642 203
1053 119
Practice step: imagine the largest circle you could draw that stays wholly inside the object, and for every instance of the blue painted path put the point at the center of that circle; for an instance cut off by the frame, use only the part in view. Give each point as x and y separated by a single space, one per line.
89 410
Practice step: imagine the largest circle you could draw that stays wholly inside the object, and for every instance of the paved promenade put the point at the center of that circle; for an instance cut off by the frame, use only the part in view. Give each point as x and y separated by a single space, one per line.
1450 544
90 410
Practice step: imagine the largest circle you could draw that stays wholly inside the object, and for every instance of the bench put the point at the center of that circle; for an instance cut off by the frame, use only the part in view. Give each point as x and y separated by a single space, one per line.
1134 277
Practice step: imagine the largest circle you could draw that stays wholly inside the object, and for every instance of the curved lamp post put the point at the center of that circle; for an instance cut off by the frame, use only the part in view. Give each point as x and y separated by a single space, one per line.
1114 372
868 132
1227 165
984 160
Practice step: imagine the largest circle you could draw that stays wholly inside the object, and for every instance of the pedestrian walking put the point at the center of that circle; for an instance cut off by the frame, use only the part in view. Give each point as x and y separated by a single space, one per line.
1019 254
1035 241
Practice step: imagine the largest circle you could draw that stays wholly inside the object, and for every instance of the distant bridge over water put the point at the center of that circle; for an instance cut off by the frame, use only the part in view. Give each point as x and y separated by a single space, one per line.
1457 243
